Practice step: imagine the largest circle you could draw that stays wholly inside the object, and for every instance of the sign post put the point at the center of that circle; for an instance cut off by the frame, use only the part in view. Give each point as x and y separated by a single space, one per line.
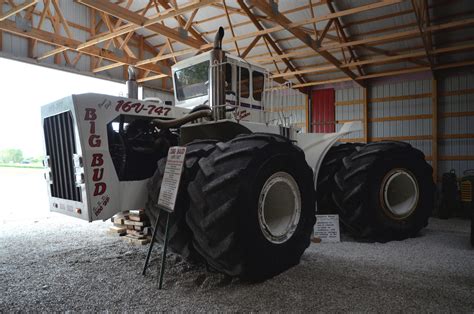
167 200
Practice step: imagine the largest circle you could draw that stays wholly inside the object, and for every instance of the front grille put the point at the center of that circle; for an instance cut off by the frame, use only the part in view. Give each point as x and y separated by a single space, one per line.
466 191
60 147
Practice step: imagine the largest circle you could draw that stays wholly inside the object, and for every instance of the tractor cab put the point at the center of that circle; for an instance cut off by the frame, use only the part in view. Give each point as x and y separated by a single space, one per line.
244 85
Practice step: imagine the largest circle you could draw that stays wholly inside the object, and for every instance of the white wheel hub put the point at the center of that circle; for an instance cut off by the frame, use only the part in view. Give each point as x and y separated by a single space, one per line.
399 193
279 207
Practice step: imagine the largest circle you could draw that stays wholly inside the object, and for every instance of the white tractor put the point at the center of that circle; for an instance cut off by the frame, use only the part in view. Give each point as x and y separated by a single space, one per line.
247 200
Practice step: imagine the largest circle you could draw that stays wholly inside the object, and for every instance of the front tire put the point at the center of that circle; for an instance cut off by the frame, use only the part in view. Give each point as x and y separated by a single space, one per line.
179 239
252 206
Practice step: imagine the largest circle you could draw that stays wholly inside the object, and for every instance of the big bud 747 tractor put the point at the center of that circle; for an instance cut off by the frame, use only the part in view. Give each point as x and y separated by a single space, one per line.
247 200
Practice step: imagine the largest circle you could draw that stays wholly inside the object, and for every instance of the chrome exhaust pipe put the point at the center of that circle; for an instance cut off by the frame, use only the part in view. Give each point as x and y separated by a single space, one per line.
132 85
217 78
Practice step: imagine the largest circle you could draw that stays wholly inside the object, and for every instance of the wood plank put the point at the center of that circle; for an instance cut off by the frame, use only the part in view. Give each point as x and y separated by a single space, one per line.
456 114
17 9
456 158
456 136
366 115
402 118
457 92
285 23
141 22
57 40
402 97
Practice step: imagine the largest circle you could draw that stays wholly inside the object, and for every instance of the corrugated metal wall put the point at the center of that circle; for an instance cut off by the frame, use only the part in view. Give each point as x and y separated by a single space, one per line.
456 96
288 104
403 111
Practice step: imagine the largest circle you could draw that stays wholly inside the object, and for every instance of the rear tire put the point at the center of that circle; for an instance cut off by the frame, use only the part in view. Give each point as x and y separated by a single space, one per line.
179 238
240 230
384 191
332 162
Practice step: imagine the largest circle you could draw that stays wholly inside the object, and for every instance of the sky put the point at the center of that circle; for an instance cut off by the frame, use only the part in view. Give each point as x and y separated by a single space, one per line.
24 88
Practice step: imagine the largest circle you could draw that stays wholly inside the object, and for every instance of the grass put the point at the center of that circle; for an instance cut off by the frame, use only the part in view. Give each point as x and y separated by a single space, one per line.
29 166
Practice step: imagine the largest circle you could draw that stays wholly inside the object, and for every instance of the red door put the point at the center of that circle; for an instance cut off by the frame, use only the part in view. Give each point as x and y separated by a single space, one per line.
323 113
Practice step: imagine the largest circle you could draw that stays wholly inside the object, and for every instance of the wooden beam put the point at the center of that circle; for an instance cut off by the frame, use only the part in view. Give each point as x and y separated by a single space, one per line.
401 35
184 23
389 73
249 47
307 21
231 27
344 37
138 22
305 38
418 8
16 9
366 115
434 128
57 40
269 39
150 78
1 33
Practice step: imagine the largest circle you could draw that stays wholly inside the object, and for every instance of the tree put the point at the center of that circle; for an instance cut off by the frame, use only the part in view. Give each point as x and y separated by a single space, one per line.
11 155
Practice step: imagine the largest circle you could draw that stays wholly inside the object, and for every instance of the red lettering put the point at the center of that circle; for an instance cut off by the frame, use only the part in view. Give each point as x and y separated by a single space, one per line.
97 160
90 114
94 141
98 174
100 188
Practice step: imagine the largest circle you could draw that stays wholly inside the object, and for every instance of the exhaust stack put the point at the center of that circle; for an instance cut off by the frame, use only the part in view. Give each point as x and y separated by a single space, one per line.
217 78
132 86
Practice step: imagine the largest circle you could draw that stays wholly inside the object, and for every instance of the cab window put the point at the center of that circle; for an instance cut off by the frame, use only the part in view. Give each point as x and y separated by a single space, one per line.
258 80
244 83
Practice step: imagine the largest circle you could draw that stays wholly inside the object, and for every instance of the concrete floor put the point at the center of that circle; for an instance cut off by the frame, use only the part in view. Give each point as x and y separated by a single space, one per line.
59 263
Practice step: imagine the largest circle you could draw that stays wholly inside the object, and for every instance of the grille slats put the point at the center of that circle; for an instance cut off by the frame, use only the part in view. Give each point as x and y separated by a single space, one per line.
60 146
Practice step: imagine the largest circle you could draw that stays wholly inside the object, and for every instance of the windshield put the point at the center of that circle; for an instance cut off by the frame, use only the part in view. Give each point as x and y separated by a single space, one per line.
192 81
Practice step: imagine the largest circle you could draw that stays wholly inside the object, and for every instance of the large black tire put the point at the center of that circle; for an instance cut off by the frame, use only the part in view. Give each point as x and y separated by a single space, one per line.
332 162
224 213
375 171
179 238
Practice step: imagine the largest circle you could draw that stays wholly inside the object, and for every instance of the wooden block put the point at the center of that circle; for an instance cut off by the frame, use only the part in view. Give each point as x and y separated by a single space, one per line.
147 230
136 241
138 228
137 218
136 234
117 230
137 212
118 221
134 223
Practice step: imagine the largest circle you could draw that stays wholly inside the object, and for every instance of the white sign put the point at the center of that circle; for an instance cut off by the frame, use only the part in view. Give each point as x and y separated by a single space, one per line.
171 178
327 228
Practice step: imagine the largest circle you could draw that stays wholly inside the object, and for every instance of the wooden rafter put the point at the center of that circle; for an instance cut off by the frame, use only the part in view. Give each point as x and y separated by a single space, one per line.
285 22
231 27
383 60
137 22
390 73
343 35
182 21
16 9
270 41
420 9
58 40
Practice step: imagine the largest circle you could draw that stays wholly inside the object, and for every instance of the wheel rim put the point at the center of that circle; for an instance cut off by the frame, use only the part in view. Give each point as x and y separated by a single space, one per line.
399 193
279 207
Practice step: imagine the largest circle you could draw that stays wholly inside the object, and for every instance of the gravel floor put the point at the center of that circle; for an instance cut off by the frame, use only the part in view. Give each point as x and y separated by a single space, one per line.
59 263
